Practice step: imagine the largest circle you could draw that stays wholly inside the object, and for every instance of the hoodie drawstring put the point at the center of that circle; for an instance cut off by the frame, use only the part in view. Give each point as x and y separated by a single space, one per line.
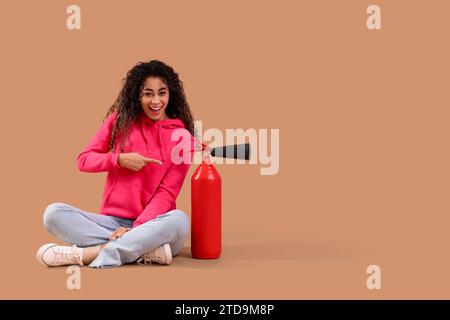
160 143
160 127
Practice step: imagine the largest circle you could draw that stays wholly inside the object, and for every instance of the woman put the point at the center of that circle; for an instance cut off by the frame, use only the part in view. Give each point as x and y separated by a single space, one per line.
138 220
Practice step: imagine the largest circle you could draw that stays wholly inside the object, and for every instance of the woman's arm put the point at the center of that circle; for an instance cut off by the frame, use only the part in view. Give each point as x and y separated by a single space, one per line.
95 156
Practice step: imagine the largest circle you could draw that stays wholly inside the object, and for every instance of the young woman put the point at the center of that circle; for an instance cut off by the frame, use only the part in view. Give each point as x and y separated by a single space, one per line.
139 221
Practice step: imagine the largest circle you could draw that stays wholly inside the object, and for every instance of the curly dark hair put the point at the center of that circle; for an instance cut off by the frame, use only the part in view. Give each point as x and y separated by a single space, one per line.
128 106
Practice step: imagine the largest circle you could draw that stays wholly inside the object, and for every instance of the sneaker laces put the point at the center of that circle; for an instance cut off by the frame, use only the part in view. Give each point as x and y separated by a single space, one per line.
145 258
68 255
152 256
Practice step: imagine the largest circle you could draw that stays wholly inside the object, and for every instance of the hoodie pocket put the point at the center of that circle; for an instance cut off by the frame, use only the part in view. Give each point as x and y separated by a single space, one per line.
127 200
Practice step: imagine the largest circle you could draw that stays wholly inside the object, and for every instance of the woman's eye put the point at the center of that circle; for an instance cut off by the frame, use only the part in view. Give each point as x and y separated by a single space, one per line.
162 93
147 94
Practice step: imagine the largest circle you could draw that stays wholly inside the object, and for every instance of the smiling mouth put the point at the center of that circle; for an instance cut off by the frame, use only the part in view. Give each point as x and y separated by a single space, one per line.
155 109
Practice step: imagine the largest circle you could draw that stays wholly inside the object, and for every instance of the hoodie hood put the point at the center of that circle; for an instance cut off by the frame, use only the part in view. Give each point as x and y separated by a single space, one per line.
167 123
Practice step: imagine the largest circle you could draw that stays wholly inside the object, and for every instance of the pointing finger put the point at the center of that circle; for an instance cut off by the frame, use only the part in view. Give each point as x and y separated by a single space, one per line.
152 160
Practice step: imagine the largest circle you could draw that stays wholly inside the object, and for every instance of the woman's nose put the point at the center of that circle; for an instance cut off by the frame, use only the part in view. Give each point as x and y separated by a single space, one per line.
156 100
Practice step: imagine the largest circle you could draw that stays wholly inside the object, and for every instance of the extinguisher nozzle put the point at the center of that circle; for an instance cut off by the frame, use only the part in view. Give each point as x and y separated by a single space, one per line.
235 151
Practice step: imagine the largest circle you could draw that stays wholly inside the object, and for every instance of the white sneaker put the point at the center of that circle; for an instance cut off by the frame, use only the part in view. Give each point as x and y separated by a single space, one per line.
52 255
160 255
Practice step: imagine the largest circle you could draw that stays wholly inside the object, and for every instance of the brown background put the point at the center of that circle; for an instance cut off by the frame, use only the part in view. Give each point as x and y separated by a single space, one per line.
363 119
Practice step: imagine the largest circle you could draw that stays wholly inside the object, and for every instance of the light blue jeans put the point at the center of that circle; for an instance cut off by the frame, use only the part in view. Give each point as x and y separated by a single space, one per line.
86 229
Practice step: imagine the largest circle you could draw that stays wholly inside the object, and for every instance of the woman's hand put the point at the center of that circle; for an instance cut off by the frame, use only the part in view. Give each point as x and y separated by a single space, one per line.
135 161
118 233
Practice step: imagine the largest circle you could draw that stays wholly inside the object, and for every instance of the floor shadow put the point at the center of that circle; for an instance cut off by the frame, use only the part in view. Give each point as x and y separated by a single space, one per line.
246 254
283 251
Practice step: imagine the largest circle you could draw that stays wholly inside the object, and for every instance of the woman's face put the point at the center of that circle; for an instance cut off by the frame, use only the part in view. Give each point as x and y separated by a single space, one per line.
154 98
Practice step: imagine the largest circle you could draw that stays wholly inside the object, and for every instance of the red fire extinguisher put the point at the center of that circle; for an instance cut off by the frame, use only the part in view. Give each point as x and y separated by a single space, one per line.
206 201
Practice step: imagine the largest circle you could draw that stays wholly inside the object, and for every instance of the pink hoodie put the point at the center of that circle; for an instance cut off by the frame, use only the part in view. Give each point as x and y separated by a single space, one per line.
144 194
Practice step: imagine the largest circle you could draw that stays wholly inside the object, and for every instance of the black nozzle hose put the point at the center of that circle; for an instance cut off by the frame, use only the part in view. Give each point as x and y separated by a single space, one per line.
235 151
